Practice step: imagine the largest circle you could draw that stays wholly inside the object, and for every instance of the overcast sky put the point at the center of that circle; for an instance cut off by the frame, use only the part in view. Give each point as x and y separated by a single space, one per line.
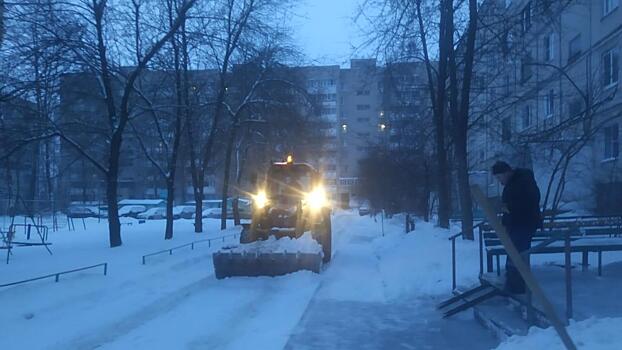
325 31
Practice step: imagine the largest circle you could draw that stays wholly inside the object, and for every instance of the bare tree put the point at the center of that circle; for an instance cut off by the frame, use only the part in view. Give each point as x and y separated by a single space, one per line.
434 32
261 91
119 111
224 40
235 25
558 142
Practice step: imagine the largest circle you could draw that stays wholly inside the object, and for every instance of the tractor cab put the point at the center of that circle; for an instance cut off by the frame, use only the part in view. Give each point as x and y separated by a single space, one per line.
287 184
291 201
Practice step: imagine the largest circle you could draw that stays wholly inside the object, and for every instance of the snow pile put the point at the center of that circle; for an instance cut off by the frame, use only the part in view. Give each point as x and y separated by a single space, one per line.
420 262
303 244
592 334
379 262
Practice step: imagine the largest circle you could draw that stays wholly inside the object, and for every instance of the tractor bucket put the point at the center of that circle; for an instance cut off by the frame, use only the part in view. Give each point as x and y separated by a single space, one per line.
229 264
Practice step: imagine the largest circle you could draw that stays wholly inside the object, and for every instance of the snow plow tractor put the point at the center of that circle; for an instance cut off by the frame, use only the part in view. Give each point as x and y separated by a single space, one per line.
290 228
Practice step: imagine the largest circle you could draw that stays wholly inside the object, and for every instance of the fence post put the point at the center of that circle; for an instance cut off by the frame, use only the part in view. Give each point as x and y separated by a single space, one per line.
481 251
105 269
56 277
382 222
143 260
453 264
568 268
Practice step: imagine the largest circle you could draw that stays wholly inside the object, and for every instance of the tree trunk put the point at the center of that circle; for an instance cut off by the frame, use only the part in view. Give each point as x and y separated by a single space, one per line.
236 211
198 205
181 111
34 175
461 126
464 189
426 194
436 87
112 187
114 225
170 198
197 179
225 186
443 184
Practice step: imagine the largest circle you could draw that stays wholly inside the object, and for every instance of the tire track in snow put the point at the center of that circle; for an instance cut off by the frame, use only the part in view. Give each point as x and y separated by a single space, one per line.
248 311
108 333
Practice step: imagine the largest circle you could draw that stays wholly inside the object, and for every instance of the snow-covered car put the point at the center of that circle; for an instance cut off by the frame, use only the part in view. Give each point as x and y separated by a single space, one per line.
81 212
152 214
213 208
244 206
132 210
184 212
211 213
210 207
364 210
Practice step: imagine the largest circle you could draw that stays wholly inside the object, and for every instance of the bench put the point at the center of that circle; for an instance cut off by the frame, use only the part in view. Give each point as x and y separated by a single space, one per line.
588 234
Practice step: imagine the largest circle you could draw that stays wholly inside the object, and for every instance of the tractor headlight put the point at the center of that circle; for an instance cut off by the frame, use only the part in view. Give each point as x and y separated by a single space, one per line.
316 199
260 199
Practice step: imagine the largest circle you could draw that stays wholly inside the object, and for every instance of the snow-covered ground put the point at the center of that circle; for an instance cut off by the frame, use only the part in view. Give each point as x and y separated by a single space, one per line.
379 291
592 334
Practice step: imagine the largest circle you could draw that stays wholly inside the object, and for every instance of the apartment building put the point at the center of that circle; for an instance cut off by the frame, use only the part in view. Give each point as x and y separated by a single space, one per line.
354 108
545 97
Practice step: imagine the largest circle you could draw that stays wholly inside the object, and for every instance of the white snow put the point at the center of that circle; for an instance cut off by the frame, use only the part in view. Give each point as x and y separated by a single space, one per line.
592 334
302 244
174 301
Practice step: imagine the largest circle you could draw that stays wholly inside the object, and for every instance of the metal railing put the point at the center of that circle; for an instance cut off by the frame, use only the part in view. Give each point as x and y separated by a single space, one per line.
191 245
58 274
566 238
452 238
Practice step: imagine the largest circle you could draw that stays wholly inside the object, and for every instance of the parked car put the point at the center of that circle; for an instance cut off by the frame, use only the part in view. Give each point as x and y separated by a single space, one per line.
244 206
153 214
132 210
364 210
213 208
184 212
210 207
213 213
81 212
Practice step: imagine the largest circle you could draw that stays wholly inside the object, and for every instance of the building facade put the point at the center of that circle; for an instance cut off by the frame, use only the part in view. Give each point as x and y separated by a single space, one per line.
545 96
353 110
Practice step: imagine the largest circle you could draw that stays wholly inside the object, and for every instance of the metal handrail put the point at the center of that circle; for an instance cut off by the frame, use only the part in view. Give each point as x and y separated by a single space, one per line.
452 238
58 274
191 245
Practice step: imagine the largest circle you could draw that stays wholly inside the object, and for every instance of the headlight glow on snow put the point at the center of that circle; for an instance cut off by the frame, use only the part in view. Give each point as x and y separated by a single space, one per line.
316 199
260 199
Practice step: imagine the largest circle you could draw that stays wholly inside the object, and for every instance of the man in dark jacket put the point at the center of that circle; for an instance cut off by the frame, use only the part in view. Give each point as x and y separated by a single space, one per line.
521 215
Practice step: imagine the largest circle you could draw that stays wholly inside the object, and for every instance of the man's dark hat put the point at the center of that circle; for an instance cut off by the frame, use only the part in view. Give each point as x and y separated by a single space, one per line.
501 167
